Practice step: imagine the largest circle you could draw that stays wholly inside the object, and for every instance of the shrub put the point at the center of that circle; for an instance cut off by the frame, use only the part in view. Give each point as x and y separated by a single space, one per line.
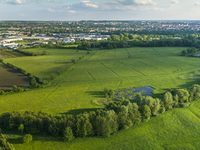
182 95
2 92
17 89
73 61
168 100
21 128
195 92
27 138
4 144
146 112
68 134
108 93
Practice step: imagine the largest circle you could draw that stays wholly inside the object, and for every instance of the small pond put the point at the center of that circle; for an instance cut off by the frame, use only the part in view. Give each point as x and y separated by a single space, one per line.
145 90
128 93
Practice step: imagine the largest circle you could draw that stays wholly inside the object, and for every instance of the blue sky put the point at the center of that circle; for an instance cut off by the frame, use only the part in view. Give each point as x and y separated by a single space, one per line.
99 9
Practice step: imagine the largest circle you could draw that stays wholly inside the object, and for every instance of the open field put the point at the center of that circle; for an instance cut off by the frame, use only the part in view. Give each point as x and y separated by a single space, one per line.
78 85
8 76
47 66
178 129
8 54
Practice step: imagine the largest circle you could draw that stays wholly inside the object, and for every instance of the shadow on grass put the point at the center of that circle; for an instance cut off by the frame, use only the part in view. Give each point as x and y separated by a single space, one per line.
195 80
98 94
79 111
15 140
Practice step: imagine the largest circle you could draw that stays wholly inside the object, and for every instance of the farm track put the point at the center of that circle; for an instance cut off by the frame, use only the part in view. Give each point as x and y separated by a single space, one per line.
132 67
58 83
90 74
110 70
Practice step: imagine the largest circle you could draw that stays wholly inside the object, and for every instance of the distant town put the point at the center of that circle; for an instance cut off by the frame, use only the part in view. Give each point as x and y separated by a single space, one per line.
14 40
29 34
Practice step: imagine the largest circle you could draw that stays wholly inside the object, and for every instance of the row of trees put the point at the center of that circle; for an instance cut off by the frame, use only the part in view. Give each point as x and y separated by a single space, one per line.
34 81
28 53
129 40
191 52
117 115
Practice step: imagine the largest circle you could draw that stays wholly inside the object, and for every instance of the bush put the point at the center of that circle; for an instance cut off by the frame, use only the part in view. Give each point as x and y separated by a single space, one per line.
146 112
27 138
4 144
108 93
21 128
2 92
168 100
68 134
73 61
17 89
195 92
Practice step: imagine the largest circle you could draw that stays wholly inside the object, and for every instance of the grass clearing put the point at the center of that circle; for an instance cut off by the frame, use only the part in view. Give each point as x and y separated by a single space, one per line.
174 130
75 84
47 66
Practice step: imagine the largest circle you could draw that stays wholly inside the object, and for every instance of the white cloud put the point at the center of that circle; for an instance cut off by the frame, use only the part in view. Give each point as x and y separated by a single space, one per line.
173 2
101 9
20 1
136 2
197 3
85 4
89 4
113 5
15 2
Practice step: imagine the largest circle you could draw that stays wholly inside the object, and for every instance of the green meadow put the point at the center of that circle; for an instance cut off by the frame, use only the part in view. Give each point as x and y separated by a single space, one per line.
75 86
178 129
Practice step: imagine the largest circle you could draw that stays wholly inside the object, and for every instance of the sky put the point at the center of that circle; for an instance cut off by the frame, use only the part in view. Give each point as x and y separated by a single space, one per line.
70 10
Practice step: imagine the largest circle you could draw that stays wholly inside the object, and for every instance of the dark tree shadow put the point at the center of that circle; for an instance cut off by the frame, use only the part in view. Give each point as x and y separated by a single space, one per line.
79 111
195 80
15 140
98 94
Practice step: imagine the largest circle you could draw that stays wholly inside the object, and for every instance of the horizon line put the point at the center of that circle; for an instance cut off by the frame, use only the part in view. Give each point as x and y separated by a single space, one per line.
34 20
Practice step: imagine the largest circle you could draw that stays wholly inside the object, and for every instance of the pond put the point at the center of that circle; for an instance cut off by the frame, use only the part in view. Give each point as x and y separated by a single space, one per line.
145 90
129 93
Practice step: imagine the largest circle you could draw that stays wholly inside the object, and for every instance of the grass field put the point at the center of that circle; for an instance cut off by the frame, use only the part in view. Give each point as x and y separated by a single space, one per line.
175 130
77 86
47 66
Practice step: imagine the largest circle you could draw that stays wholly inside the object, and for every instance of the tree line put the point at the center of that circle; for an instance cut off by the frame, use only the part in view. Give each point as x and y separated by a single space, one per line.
116 115
130 40
192 52
26 53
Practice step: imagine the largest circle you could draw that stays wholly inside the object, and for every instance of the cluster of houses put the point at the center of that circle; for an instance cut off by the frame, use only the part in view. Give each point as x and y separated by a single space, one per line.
10 43
70 38
13 41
